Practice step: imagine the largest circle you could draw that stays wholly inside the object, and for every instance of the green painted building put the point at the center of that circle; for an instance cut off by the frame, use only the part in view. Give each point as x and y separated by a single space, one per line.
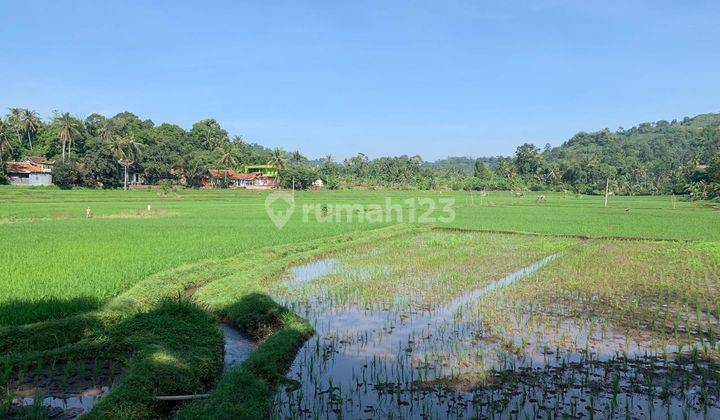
264 170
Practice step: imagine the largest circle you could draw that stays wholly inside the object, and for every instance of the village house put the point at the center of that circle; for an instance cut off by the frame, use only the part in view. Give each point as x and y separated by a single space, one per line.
318 184
33 170
255 177
264 176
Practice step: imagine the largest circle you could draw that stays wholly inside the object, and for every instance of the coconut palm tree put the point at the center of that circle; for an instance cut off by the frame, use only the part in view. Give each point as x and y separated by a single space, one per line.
15 121
69 130
5 139
296 157
228 157
134 148
126 150
239 140
277 159
30 122
106 131
116 146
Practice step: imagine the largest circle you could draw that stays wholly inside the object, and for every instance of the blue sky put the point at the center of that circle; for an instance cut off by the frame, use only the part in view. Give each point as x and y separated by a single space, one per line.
438 79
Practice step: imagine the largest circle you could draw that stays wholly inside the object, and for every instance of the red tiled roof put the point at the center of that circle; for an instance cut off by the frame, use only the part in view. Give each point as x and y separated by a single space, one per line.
22 168
248 177
216 173
220 173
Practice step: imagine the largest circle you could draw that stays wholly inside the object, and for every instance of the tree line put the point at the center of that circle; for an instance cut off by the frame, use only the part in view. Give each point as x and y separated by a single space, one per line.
663 157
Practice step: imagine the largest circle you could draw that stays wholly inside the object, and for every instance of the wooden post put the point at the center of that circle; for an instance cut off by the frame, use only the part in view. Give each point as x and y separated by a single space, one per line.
607 190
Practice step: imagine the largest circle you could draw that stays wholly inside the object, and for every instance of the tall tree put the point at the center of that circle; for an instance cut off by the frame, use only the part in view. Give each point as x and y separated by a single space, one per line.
277 159
106 131
208 134
15 120
480 170
228 158
527 159
69 130
297 158
5 139
30 121
505 168
126 150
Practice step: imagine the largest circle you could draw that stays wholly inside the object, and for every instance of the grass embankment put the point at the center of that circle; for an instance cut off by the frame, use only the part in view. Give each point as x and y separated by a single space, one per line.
172 346
247 392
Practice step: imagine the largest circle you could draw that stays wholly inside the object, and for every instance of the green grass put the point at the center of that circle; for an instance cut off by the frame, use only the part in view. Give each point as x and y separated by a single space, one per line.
170 345
57 263
426 269
668 288
116 284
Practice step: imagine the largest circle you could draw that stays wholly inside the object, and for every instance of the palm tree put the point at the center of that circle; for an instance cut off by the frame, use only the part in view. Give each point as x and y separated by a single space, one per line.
30 122
239 140
296 157
116 145
106 131
15 121
5 139
212 139
133 150
277 159
126 151
69 130
228 158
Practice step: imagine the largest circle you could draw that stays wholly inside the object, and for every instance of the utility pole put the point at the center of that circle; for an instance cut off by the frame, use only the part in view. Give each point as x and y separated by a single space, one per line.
607 190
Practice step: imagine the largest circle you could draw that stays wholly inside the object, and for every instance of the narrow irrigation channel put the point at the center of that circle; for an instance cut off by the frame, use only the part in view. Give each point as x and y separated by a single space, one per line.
79 396
66 389
237 346
402 362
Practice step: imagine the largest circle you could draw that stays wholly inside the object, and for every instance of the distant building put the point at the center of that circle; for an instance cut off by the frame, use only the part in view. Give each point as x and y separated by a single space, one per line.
255 177
216 178
45 164
317 184
33 170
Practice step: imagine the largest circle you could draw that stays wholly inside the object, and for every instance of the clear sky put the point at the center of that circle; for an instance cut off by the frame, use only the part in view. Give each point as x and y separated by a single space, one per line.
386 77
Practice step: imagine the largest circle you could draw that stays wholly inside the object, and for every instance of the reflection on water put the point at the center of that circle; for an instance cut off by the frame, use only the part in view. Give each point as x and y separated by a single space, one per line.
67 407
370 362
78 397
237 347
312 271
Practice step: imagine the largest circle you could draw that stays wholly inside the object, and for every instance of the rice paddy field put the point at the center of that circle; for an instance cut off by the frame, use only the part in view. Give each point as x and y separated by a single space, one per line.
513 308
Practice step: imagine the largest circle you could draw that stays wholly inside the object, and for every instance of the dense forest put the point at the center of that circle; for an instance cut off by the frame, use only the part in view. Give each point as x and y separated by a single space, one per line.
679 157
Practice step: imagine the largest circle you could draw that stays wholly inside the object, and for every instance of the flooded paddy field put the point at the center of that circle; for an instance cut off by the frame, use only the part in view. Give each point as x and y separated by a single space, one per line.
464 325
441 319
69 388
64 388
